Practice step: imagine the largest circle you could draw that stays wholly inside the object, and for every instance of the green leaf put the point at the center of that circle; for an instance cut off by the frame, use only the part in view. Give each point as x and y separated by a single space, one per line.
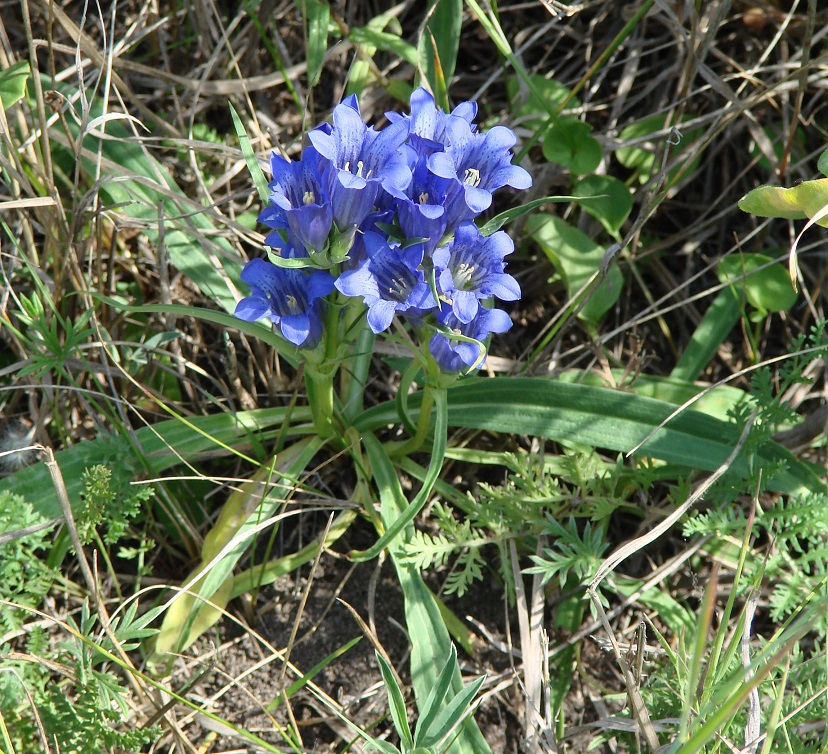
407 515
603 418
805 200
13 83
317 15
385 41
162 446
435 699
258 576
136 184
607 199
766 284
283 347
430 642
381 33
452 714
570 143
498 221
822 163
242 516
250 158
577 259
545 94
396 703
717 322
642 158
438 47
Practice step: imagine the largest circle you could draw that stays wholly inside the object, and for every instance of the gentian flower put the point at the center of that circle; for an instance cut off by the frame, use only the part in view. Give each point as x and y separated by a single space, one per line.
389 281
421 214
363 162
428 122
288 296
300 201
471 268
481 162
453 355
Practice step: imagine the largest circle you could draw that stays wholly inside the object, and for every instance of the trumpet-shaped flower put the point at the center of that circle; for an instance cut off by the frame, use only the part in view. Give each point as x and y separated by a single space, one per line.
363 161
428 122
422 214
454 355
389 281
482 162
288 296
471 268
300 201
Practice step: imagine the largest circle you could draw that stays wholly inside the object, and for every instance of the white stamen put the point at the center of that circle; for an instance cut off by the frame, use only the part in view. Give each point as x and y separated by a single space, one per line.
471 177
308 198
463 275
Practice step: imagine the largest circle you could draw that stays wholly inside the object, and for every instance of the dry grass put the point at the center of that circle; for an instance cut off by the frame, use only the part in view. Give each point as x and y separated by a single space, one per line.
742 90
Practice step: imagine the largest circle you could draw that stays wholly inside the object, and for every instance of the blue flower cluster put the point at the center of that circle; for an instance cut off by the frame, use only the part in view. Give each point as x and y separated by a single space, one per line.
388 216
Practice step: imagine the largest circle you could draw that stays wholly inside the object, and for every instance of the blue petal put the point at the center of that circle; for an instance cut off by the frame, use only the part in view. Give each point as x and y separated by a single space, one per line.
359 282
421 297
464 305
469 353
511 175
500 245
295 328
441 164
465 110
467 234
320 285
351 181
441 257
499 139
324 142
349 132
504 286
477 199
252 308
380 315
496 320
352 101
259 272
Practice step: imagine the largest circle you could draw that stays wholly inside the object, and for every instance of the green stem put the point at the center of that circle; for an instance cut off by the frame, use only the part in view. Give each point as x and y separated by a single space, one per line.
319 386
357 376
414 443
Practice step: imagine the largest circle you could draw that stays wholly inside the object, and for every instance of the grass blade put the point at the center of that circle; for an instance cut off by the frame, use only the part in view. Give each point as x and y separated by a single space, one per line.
604 418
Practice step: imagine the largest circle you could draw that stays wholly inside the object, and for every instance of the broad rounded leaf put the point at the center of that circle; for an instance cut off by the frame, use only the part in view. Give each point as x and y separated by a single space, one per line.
767 285
607 199
570 143
576 257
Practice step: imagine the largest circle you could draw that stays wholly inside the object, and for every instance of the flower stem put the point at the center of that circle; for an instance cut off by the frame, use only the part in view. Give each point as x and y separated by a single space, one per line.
319 387
355 375
415 442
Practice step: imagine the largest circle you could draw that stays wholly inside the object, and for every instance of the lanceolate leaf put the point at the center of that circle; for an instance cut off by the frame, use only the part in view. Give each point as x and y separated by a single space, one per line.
498 221
602 418
317 14
438 46
152 451
133 182
805 200
430 644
